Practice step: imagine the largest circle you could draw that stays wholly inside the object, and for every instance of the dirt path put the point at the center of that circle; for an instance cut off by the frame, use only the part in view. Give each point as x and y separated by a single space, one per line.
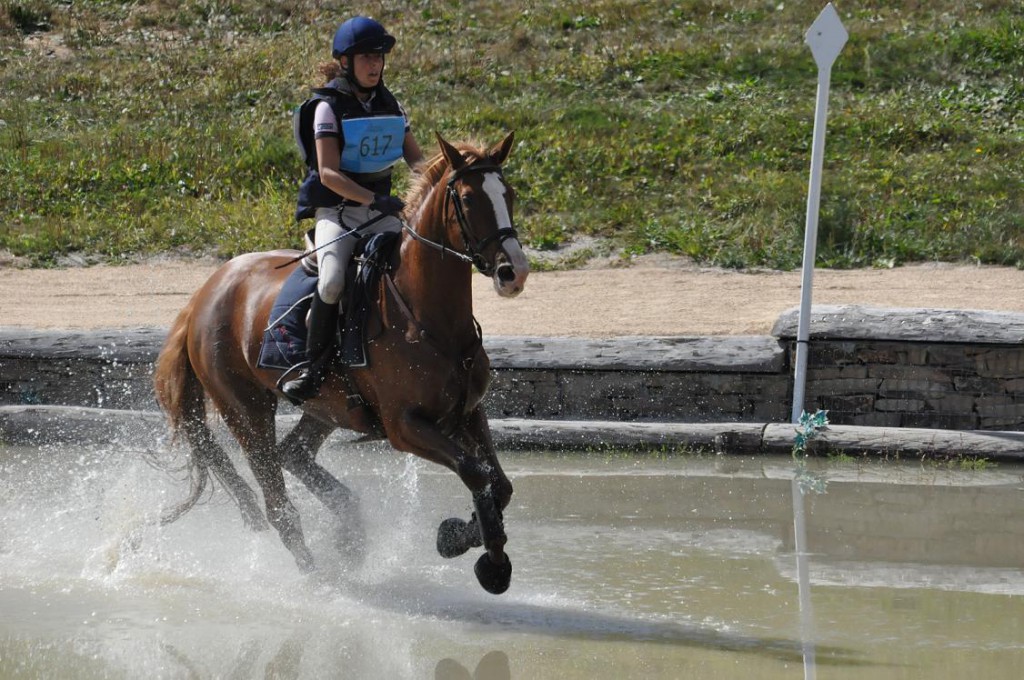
658 296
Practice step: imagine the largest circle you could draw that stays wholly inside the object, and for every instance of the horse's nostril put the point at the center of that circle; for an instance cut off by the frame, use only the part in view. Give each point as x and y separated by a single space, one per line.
506 273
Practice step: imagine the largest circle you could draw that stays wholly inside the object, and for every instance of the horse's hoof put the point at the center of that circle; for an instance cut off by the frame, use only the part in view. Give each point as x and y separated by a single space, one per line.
451 537
493 577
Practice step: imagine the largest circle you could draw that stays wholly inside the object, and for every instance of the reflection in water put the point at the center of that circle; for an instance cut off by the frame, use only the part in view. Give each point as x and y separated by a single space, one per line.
494 666
285 665
182 661
245 662
803 580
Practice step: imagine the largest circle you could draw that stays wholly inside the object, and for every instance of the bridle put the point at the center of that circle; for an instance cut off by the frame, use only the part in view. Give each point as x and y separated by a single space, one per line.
474 247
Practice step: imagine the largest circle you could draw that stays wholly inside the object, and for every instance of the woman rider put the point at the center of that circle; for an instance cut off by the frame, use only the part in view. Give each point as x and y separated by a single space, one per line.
352 131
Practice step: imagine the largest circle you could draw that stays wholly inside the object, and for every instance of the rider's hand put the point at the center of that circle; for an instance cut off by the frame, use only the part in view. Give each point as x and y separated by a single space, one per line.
389 205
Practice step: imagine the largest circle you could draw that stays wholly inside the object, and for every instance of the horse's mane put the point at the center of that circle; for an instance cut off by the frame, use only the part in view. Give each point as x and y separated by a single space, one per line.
432 170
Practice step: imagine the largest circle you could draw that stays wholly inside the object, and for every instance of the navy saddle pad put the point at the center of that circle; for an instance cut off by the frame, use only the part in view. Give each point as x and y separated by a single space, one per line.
284 341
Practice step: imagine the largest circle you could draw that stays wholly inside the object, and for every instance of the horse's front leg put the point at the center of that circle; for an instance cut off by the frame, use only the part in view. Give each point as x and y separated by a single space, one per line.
494 569
477 436
454 536
474 462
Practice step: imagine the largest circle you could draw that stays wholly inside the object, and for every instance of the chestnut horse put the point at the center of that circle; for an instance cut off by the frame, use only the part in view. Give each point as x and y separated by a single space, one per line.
426 374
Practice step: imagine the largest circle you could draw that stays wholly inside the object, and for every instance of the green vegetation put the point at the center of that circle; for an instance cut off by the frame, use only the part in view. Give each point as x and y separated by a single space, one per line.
963 461
841 458
130 127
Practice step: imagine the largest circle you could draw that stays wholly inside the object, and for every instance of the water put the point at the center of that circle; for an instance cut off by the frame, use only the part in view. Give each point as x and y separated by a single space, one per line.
625 567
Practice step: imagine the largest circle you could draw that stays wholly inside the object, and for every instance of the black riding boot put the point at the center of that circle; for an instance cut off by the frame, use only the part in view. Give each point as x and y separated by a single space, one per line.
323 327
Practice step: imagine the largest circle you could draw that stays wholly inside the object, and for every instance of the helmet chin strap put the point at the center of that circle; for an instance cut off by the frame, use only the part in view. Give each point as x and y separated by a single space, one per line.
350 76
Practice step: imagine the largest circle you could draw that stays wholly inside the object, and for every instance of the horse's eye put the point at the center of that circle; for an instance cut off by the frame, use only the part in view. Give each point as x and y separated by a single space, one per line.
467 200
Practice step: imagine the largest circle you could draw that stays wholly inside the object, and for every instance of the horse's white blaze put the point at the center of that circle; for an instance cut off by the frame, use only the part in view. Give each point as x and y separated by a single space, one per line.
495 189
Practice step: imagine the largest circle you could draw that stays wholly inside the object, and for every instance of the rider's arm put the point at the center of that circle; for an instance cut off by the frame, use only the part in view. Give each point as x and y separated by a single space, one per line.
328 154
327 136
411 150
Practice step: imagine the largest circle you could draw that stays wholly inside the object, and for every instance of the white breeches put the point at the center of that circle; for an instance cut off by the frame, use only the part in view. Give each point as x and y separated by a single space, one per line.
333 260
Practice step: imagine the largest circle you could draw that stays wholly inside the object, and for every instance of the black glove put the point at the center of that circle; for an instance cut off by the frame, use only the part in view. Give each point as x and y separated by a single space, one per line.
389 205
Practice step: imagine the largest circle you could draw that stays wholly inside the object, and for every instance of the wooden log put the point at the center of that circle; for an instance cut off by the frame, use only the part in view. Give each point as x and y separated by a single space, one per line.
587 435
38 425
914 442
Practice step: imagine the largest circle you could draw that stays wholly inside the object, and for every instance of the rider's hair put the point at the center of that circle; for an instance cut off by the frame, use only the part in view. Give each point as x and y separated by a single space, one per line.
330 70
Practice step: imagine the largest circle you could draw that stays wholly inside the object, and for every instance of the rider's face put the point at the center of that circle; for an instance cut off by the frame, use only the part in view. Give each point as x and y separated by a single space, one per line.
368 68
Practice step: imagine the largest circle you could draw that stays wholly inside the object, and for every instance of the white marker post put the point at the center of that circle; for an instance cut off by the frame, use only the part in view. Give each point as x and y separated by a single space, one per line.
826 38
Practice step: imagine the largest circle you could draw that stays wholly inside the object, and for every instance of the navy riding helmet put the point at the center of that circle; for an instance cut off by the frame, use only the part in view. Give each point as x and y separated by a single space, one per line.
361 35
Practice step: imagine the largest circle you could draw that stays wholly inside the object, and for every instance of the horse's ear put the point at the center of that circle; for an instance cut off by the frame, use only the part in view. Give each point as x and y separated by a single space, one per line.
499 152
451 154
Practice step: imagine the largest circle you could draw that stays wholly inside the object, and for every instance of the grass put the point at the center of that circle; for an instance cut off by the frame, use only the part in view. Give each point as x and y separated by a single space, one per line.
966 462
684 127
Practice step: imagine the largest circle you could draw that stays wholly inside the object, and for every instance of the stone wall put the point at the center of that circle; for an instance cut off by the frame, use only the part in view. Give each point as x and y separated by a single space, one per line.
727 378
898 368
951 369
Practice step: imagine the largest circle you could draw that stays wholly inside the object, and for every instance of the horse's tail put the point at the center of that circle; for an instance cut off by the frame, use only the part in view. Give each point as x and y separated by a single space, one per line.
181 396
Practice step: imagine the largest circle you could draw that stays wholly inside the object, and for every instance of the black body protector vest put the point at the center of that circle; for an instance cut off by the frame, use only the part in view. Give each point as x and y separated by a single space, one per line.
371 143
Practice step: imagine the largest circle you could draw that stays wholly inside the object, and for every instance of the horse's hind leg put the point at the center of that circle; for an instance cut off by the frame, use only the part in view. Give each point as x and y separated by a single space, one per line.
217 461
297 452
252 424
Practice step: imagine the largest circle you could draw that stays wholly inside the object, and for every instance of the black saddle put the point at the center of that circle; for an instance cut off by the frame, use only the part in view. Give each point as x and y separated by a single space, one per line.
372 256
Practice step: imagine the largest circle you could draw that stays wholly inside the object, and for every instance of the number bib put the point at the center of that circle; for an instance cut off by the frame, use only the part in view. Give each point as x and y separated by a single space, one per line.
372 144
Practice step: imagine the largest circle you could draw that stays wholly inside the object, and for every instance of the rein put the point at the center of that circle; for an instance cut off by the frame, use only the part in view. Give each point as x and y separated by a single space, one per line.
350 232
445 250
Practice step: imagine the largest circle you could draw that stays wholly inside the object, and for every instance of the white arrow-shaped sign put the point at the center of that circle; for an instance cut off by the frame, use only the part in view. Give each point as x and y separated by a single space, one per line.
826 37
